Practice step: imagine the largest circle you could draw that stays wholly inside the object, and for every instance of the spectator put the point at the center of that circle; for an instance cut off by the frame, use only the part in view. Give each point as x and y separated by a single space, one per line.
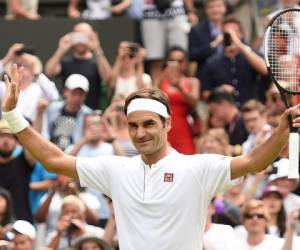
87 58
97 9
35 85
255 216
51 203
15 172
168 21
206 38
89 242
128 71
66 117
236 68
116 116
217 236
254 116
24 235
71 224
27 9
222 106
273 201
183 93
285 185
6 212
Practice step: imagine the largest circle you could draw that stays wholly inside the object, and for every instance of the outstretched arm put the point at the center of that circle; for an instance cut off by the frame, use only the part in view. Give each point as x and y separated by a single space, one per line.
43 150
265 153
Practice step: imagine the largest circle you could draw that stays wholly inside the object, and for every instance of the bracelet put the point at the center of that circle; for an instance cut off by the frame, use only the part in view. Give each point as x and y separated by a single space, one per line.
15 120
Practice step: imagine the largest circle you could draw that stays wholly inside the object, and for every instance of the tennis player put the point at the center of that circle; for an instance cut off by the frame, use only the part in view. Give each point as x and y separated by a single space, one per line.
160 197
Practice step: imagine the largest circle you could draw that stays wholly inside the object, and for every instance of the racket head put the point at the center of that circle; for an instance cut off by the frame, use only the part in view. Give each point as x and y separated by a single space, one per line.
282 50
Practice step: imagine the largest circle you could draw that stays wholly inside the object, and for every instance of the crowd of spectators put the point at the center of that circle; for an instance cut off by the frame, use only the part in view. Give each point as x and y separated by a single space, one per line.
208 61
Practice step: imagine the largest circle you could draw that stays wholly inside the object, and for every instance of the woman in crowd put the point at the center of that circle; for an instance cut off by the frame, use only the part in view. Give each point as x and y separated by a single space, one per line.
183 93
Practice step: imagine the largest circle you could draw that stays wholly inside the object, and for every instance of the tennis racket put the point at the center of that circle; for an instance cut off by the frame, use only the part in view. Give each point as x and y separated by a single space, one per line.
282 56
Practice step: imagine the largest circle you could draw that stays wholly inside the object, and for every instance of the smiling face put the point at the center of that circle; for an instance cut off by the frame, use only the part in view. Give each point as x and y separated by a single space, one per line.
149 134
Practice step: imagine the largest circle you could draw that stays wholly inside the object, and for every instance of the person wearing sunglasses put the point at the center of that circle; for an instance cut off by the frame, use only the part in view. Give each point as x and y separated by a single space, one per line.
255 216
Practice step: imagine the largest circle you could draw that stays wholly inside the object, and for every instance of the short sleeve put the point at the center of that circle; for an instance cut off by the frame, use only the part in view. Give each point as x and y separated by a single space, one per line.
213 173
97 172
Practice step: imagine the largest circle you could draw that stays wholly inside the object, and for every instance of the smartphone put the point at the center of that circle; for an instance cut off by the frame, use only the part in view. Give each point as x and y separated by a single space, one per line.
79 38
226 39
133 49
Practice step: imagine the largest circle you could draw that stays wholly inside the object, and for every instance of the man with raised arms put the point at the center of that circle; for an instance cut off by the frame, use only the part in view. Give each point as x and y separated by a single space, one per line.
160 197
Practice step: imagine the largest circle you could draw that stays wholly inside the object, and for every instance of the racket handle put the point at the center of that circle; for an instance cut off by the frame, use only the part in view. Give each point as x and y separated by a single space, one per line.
293 156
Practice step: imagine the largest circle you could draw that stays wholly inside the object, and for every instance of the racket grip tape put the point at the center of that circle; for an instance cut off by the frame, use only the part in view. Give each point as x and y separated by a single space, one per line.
293 156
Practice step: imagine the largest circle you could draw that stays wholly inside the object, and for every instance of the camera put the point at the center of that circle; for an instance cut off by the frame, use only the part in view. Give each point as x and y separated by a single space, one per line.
27 49
133 49
227 39
79 38
72 228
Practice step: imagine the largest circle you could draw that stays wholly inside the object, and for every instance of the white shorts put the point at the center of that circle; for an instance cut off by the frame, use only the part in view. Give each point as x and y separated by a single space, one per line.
161 34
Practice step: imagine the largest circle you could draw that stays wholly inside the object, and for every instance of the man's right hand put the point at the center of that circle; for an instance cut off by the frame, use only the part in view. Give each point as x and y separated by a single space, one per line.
12 89
65 43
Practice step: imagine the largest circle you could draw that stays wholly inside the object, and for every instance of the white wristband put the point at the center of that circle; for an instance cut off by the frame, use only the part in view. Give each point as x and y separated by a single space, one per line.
15 120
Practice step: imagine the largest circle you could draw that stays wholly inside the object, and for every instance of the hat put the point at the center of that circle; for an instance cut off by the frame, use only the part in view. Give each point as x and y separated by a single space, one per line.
75 81
282 167
4 128
271 189
34 61
91 236
25 228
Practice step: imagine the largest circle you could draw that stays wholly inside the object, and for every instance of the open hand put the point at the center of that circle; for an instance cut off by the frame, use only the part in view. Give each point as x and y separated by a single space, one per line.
12 88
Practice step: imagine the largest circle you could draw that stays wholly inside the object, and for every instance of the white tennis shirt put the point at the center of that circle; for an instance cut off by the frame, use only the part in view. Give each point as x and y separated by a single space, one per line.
159 207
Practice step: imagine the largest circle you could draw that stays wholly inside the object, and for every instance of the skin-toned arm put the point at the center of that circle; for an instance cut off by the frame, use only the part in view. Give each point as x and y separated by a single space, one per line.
191 12
104 67
265 153
41 149
73 11
121 7
291 229
254 60
41 214
42 185
53 66
18 10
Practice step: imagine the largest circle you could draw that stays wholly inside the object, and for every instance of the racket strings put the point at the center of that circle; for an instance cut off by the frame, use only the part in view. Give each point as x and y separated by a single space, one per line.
284 50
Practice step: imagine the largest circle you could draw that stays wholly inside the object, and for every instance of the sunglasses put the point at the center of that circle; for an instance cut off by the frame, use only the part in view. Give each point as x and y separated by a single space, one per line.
251 216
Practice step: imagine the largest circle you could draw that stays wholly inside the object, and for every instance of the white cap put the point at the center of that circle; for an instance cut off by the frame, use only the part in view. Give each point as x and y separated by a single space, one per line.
75 81
282 169
25 228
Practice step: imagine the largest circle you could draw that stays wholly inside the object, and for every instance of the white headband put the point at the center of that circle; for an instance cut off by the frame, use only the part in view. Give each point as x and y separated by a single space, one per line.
145 104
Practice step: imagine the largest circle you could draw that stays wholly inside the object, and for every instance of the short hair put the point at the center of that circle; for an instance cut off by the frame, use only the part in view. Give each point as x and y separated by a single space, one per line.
254 204
72 199
233 19
218 95
149 93
206 2
176 48
253 105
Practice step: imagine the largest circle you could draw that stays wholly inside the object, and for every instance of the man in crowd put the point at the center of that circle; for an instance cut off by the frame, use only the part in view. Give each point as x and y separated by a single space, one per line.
87 58
66 117
160 197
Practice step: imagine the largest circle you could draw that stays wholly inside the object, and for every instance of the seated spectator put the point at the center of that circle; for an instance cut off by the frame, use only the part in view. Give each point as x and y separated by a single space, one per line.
6 212
24 235
66 117
71 224
206 38
217 236
51 203
15 172
236 68
285 185
86 57
97 9
183 93
223 107
253 113
255 217
128 70
90 241
273 201
27 9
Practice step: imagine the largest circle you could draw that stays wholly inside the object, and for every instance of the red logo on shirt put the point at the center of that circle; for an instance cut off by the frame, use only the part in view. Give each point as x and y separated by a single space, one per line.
168 177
